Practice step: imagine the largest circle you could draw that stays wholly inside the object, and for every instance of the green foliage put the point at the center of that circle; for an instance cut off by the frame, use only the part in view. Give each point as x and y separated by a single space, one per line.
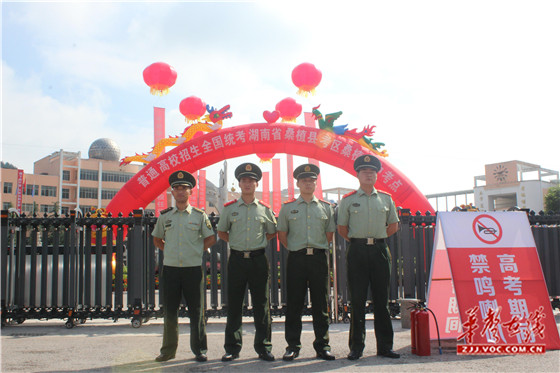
552 200
8 165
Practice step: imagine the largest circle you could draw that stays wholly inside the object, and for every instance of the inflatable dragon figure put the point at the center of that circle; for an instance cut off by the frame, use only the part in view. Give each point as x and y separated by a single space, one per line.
327 123
211 122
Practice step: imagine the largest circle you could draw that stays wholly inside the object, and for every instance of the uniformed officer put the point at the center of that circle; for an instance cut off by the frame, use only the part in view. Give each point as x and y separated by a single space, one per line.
182 233
366 217
305 227
247 224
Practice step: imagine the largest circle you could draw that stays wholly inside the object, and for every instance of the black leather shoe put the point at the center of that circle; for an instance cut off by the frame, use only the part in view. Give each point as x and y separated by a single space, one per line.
164 357
389 353
201 358
290 355
325 355
354 355
229 357
266 356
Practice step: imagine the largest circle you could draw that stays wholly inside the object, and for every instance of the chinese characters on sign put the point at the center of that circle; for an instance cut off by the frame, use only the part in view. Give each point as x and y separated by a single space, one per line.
498 281
219 141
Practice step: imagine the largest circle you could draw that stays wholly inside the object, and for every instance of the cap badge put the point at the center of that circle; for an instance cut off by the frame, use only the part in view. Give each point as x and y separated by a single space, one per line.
248 168
180 175
367 158
307 169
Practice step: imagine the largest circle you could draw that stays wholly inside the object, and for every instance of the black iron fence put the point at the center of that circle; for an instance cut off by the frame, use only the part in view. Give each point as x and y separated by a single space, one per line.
81 267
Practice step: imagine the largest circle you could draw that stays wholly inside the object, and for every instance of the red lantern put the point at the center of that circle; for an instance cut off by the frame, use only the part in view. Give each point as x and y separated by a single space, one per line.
192 108
306 77
289 109
159 77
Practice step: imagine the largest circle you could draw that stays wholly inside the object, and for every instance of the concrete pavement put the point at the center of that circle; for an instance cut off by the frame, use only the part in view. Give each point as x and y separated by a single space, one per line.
104 346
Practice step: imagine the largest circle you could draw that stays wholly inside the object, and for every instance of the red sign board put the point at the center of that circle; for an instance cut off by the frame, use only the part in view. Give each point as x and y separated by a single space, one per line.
497 282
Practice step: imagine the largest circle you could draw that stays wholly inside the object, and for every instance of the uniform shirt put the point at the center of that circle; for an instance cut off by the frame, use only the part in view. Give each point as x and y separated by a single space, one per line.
367 215
247 224
184 232
306 223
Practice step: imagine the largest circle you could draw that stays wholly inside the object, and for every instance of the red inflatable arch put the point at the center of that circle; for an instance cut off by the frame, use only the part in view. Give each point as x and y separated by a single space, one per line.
232 142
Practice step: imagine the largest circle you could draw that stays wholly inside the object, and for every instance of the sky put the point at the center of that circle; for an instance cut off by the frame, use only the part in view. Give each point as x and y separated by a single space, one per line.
450 85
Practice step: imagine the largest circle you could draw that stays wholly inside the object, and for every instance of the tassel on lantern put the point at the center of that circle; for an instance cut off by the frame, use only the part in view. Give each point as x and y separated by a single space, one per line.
306 92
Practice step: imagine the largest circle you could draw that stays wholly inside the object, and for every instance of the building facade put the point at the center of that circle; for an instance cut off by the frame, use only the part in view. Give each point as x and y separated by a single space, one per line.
63 181
513 184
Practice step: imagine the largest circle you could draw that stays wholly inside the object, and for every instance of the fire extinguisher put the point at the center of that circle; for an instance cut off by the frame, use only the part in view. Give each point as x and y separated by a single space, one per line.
413 314
420 330
423 332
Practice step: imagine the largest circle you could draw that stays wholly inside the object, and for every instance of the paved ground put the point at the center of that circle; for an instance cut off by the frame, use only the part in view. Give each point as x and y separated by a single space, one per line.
104 346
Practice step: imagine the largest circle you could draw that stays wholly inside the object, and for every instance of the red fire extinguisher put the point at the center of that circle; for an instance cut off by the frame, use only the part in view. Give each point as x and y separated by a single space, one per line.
420 330
423 333
413 329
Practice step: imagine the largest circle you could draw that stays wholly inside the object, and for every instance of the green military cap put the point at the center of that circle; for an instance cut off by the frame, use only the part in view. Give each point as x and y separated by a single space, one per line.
306 170
248 170
182 178
367 161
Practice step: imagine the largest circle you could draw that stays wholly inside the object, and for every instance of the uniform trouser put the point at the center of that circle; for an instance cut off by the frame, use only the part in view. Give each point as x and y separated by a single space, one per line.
303 270
187 282
254 272
369 265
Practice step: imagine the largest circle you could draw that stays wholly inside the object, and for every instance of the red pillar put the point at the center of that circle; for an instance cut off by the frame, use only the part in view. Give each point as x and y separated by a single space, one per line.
310 122
159 134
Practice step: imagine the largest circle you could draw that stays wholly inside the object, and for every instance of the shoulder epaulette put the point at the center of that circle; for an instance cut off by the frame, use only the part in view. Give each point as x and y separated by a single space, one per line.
264 204
327 202
382 192
165 210
349 194
197 209
291 200
230 202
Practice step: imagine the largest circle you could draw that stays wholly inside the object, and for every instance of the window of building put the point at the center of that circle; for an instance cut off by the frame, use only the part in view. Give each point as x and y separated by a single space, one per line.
65 175
120 177
8 188
65 193
6 205
32 190
85 209
88 175
48 191
108 193
27 207
47 208
65 210
88 193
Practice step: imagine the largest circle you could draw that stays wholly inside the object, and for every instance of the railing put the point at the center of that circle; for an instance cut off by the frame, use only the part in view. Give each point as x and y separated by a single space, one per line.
78 268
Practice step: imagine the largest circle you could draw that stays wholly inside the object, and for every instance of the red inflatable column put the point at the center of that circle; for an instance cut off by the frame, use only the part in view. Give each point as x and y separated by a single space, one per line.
266 187
310 122
159 134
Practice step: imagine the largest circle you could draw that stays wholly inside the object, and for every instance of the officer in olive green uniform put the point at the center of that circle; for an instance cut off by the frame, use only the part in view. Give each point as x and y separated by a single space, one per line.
247 224
366 217
182 233
305 227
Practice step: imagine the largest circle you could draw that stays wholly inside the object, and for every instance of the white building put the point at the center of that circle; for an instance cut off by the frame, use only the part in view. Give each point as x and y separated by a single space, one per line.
513 184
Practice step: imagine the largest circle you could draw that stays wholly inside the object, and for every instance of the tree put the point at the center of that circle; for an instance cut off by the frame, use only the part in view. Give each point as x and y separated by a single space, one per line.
552 200
8 165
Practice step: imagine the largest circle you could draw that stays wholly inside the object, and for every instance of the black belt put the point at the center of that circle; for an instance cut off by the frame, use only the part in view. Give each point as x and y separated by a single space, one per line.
309 251
248 254
367 241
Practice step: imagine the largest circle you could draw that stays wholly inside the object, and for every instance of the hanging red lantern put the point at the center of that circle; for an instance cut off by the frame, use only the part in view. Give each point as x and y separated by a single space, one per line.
306 77
192 108
159 76
289 109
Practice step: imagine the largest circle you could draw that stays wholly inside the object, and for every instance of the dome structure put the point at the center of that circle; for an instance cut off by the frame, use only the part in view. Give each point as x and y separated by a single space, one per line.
105 149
